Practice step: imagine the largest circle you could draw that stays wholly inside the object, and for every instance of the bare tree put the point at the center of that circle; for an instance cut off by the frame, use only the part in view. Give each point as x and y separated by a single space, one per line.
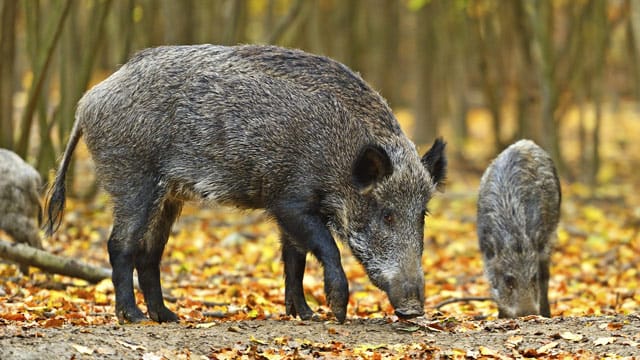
7 60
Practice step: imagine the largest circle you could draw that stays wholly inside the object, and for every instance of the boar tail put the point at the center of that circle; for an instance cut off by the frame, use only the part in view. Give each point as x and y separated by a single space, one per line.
54 205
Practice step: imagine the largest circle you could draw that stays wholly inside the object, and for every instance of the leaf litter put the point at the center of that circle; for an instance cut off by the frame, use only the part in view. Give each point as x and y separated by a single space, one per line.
222 269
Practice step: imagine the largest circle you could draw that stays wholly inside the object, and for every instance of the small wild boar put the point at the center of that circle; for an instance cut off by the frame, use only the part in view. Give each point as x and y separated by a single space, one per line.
19 200
518 212
296 134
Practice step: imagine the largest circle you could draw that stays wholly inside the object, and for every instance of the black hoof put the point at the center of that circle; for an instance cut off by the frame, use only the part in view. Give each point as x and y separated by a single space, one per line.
131 316
163 315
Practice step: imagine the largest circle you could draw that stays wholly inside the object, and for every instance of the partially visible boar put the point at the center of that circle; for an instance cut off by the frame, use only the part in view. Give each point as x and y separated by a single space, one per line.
518 212
20 209
297 134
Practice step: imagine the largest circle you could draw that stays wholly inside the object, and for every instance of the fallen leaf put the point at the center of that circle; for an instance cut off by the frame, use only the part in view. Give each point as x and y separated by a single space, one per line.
409 328
545 348
56 322
257 341
82 349
571 336
630 343
234 329
206 325
604 341
614 326
514 340
485 351
151 356
131 345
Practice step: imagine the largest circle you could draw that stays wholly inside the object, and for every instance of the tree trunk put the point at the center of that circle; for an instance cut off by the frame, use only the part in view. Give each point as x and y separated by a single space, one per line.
485 40
426 122
7 68
40 74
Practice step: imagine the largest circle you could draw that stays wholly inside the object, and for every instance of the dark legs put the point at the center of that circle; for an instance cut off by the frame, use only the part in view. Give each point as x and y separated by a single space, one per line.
294 263
140 231
121 251
304 228
545 309
147 262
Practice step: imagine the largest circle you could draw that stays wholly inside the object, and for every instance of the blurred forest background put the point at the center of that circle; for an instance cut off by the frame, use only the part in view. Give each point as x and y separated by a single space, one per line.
545 69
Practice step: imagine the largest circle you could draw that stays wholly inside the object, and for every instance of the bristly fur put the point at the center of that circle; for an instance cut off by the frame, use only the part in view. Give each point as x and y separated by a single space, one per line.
257 127
518 212
19 200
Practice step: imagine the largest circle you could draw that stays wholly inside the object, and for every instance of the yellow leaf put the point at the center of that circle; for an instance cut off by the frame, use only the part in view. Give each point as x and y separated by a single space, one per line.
545 348
258 341
485 351
571 336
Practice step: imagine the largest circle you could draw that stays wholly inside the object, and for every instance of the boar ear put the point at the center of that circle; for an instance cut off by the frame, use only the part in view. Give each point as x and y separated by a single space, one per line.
435 161
371 166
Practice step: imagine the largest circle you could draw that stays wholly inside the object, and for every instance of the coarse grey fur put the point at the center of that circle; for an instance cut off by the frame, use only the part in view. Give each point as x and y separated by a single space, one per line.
518 212
20 209
297 134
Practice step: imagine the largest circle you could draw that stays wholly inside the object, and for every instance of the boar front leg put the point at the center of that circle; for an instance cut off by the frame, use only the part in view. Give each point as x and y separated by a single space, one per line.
294 262
304 225
543 278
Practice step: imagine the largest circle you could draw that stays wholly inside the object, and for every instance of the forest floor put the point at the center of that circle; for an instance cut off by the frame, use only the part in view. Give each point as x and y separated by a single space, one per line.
534 337
223 270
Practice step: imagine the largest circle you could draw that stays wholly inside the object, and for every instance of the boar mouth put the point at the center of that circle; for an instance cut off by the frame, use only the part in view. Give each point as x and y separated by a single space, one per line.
407 300
409 313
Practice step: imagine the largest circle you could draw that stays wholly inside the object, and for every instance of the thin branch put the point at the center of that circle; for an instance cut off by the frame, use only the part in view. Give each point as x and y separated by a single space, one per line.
285 23
36 89
463 299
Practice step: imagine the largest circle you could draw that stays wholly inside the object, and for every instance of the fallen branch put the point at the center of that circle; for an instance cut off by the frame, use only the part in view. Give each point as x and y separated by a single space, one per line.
464 299
54 264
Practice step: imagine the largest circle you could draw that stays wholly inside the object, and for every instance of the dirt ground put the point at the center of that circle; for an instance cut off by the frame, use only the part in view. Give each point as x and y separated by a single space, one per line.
584 337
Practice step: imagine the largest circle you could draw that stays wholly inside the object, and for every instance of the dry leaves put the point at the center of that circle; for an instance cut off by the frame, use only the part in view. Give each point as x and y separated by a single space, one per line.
224 266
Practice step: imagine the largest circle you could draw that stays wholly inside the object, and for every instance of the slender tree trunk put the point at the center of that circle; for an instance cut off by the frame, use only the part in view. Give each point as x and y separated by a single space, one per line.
40 74
485 41
541 17
600 38
127 30
7 68
426 122
285 23
180 21
525 82
236 18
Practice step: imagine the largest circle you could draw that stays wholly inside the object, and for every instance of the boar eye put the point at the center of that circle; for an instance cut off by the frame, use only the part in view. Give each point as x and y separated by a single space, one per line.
388 218
510 282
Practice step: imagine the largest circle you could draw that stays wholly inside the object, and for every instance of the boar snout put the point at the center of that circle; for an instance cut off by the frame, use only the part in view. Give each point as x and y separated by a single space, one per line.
407 297
525 308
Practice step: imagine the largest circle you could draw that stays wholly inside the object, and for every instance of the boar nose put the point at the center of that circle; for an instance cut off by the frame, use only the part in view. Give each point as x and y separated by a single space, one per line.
409 313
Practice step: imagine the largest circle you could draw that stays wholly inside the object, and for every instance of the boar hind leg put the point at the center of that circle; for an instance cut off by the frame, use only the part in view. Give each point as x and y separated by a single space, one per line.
148 260
131 222
121 252
294 262
307 230
545 309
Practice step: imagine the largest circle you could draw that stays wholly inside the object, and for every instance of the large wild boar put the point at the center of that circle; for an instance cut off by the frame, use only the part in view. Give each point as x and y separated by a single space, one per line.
297 134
